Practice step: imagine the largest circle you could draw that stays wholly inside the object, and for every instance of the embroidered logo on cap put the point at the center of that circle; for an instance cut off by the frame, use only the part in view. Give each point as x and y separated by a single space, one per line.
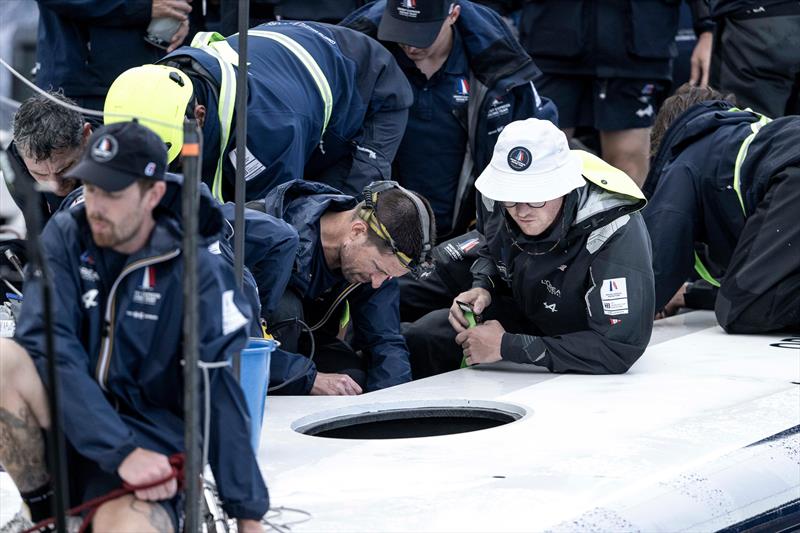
104 149
408 9
519 158
150 169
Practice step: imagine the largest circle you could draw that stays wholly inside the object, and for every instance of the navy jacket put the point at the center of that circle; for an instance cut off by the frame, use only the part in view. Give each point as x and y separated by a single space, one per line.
269 255
607 39
285 113
83 45
374 313
690 186
118 344
501 89
269 250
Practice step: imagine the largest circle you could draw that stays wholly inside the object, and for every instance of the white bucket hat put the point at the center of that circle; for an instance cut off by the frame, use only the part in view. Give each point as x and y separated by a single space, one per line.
531 162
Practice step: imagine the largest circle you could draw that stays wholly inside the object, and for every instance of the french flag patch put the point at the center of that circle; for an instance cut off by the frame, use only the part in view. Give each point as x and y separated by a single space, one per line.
462 91
149 278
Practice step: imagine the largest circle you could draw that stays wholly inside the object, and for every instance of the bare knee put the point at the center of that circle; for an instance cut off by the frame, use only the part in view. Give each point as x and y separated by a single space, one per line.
21 382
128 514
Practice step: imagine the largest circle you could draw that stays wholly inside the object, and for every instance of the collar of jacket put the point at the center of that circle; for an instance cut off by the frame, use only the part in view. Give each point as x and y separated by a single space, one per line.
493 52
608 194
695 123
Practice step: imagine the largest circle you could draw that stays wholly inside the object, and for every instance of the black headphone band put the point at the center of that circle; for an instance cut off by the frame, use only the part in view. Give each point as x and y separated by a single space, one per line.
377 187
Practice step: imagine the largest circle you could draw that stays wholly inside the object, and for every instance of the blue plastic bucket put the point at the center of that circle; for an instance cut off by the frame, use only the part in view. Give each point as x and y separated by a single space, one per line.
254 379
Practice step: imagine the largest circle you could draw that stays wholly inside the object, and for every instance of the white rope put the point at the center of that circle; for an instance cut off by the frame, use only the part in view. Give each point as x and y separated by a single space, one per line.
78 109
205 366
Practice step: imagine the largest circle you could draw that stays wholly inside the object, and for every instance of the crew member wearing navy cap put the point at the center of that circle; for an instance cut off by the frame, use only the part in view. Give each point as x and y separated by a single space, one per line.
470 79
117 307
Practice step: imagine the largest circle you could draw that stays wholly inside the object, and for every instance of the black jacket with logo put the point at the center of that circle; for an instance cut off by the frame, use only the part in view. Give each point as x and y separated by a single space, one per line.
584 289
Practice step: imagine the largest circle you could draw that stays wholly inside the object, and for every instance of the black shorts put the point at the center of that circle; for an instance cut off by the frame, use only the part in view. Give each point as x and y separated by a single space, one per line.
606 104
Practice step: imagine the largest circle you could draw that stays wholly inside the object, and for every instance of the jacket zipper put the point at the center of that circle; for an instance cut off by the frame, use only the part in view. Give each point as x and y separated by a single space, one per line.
107 342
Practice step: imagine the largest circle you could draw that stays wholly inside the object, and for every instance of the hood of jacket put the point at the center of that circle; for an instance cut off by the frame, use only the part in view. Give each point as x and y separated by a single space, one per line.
494 54
698 122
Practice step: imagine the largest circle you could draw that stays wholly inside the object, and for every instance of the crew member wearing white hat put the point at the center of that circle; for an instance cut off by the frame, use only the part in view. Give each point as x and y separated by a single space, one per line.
564 278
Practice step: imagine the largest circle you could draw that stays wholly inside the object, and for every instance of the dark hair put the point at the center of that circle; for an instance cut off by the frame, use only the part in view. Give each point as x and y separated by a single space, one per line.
42 126
145 184
685 97
399 215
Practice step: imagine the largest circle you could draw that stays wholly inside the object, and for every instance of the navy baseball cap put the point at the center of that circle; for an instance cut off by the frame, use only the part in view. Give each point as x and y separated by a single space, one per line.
119 154
413 22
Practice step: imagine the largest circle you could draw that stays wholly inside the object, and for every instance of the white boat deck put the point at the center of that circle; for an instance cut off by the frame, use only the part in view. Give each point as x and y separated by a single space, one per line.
586 442
659 448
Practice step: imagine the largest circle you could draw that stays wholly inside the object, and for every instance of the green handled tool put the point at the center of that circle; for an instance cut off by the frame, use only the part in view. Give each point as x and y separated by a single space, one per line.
469 314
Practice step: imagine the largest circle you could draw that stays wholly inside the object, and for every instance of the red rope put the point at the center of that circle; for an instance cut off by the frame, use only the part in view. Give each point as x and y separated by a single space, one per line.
175 461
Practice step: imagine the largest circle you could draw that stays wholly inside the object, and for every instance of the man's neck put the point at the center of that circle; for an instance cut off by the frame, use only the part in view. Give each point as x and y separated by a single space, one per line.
431 64
333 226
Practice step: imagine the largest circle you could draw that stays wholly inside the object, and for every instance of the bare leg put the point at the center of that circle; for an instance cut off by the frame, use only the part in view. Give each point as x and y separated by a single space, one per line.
130 515
629 151
23 414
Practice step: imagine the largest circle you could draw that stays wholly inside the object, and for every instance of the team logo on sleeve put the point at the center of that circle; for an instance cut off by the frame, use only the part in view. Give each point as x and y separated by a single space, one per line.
614 296
519 158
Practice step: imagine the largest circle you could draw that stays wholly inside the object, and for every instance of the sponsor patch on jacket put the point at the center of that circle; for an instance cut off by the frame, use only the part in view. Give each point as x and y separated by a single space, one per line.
89 298
461 95
614 296
457 251
498 108
252 166
232 318
146 297
88 274
141 315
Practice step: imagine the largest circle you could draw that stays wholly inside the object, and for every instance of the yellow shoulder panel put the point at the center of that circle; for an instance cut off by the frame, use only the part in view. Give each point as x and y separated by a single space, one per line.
607 177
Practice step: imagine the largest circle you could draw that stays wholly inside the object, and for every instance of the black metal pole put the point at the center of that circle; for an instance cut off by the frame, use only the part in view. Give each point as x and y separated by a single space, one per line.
38 267
241 152
191 159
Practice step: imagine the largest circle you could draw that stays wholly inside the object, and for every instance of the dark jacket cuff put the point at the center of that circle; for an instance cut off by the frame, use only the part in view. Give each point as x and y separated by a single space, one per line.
520 348
250 510
482 281
111 464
